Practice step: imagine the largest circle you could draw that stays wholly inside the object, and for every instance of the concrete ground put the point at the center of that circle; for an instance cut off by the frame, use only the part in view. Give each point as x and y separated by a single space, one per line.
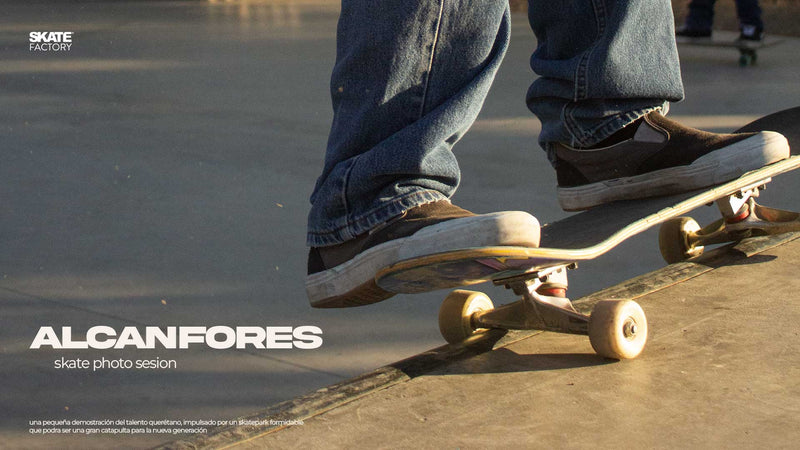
157 174
718 371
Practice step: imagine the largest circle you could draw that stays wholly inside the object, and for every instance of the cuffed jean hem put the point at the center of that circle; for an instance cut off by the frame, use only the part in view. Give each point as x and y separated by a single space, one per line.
372 219
601 130
584 136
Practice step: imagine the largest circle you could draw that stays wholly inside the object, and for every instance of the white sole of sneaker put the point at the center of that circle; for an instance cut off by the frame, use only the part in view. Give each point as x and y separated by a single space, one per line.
717 167
352 283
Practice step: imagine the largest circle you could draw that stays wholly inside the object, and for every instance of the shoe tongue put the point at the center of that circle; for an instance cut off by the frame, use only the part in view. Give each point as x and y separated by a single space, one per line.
648 133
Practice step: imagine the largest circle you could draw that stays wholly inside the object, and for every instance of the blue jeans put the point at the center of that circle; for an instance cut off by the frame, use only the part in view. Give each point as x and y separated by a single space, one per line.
701 14
411 76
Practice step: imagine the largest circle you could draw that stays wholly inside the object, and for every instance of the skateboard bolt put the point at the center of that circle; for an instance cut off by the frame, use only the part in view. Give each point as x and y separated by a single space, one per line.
629 329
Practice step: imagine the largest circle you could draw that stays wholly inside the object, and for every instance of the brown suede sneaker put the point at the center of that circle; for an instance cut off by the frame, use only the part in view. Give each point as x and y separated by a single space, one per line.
344 275
657 156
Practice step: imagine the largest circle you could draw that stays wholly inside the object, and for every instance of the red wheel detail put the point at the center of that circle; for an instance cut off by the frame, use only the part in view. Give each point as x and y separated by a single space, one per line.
739 217
553 292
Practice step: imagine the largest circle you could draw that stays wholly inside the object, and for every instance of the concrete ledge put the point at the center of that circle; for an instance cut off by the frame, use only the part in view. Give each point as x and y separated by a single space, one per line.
339 394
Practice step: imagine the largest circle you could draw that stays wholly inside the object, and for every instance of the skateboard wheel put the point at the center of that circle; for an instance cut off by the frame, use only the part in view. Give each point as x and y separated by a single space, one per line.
747 58
744 60
618 329
455 314
673 240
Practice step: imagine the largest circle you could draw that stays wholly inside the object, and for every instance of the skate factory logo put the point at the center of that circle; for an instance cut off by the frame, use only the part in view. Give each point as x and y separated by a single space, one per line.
50 41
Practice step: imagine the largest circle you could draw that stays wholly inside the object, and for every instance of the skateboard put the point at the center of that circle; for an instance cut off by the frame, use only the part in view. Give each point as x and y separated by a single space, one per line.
617 329
748 55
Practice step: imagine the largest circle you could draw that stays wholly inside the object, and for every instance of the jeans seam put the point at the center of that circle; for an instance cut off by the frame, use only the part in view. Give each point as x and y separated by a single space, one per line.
345 183
579 138
430 60
581 75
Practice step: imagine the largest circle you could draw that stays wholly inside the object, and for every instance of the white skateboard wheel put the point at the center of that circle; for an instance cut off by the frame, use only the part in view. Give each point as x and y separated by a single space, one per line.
455 314
673 240
618 329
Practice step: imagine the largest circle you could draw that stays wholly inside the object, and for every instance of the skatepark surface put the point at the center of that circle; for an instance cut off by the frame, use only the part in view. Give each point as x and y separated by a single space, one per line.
718 372
158 174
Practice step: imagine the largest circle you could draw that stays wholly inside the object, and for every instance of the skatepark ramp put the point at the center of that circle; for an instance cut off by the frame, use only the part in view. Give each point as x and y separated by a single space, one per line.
719 370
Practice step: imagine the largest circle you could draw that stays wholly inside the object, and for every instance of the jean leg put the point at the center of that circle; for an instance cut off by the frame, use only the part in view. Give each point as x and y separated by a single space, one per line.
749 14
409 80
700 15
602 65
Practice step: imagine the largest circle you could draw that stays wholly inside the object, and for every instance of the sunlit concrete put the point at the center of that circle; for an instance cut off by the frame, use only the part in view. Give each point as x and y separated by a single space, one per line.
718 371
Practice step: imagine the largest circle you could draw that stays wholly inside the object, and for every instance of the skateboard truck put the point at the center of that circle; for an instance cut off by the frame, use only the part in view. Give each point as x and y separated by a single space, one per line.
682 238
734 208
616 328
535 311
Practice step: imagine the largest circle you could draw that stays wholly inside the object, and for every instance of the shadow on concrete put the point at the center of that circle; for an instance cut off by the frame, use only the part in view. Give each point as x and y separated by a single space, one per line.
505 360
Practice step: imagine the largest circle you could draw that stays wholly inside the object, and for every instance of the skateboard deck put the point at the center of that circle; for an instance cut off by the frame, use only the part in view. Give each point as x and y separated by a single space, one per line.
747 50
580 237
706 42
786 122
617 329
